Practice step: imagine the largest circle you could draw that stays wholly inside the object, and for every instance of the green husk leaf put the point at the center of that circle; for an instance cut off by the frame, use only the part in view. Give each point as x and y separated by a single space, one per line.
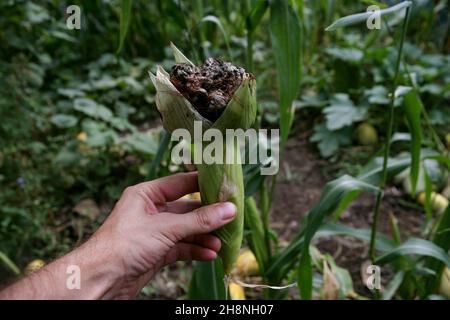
179 56
219 183
241 110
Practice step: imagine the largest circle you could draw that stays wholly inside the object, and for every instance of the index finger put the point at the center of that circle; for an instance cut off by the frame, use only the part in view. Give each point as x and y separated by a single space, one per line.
170 188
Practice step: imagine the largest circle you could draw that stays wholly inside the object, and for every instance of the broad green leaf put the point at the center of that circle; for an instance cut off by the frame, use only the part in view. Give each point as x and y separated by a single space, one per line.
286 37
36 13
377 95
125 15
142 142
415 246
64 120
364 16
328 141
351 55
413 109
93 109
342 112
207 281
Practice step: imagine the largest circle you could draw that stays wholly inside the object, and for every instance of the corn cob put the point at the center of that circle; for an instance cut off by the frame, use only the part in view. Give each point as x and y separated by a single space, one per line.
220 96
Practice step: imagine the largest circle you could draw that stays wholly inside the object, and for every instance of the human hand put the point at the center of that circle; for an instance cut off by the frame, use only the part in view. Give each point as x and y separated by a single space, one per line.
151 227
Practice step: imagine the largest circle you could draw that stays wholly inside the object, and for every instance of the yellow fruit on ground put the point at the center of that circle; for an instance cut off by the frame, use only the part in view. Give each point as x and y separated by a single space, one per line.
444 286
82 136
366 134
438 202
34 266
236 291
246 264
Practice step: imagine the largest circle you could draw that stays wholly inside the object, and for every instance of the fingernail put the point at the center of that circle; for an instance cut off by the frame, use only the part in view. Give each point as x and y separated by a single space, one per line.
227 210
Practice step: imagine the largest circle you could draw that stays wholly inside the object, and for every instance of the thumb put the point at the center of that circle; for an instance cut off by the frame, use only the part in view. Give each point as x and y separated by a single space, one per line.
202 220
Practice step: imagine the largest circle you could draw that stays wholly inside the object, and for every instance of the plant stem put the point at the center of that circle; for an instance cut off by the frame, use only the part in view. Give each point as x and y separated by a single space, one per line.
249 50
376 213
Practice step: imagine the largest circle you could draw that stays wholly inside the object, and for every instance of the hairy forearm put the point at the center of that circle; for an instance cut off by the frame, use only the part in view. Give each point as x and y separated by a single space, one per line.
85 273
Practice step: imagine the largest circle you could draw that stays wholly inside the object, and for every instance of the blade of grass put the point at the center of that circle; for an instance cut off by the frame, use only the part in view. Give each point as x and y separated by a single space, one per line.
9 263
413 109
125 14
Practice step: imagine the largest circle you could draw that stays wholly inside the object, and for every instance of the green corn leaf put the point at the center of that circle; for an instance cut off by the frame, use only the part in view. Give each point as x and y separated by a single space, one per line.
207 281
413 109
256 15
393 286
305 275
333 195
283 261
415 246
286 37
255 235
215 20
125 15
9 263
441 238
362 17
164 144
383 243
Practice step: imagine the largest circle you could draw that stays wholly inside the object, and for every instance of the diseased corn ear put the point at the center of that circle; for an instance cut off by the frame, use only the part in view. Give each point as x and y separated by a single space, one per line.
175 110
240 113
179 56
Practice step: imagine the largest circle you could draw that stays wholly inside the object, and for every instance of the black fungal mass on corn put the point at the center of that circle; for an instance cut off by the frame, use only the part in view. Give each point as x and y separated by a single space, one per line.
208 87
